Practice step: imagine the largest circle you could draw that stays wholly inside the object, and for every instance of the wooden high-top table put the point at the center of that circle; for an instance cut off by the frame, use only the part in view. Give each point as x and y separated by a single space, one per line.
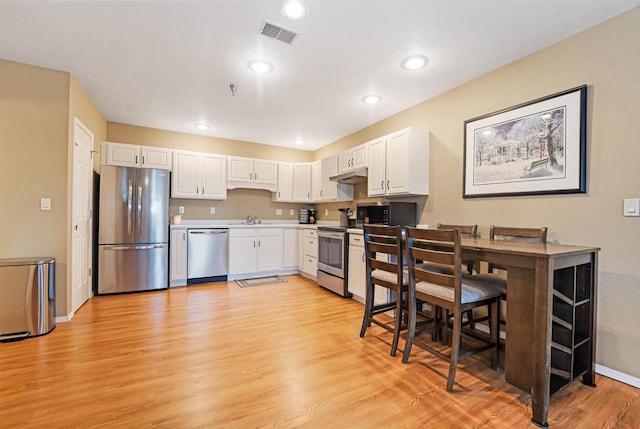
551 319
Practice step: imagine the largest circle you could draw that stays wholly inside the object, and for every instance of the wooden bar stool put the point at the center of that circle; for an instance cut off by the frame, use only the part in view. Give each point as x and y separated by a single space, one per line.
456 293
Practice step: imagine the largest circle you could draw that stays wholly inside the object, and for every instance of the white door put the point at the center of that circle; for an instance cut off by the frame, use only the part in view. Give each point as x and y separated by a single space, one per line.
240 169
329 188
316 181
398 163
377 167
243 255
153 157
265 172
302 182
214 177
185 177
82 191
285 182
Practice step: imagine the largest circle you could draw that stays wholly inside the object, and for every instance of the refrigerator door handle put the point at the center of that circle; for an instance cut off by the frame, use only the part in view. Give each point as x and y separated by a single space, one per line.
139 220
141 247
130 206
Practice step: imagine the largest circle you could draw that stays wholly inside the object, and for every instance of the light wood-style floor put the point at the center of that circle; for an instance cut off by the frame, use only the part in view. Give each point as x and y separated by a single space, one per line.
280 355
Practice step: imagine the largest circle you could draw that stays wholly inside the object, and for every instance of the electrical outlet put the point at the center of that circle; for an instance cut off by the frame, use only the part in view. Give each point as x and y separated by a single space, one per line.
292 212
326 212
632 207
181 210
45 203
212 210
278 212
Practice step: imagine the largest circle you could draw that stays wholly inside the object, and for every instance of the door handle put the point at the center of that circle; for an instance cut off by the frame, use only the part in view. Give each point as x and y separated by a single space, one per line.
144 247
129 207
139 220
387 184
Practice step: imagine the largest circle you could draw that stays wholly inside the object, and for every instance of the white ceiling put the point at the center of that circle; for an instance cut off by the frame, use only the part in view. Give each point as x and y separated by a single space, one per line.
169 64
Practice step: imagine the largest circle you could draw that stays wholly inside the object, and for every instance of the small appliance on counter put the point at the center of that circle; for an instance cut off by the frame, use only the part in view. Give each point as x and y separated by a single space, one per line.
345 212
304 216
387 213
312 215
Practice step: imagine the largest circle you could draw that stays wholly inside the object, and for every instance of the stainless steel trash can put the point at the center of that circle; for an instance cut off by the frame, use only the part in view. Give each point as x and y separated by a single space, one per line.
27 297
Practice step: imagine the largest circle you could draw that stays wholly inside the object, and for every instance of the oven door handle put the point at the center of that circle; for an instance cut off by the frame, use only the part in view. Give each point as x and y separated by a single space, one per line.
336 235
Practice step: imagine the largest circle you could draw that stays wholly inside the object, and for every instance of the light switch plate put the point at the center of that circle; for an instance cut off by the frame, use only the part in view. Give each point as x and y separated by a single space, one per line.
212 210
45 203
278 212
181 210
326 212
292 212
631 207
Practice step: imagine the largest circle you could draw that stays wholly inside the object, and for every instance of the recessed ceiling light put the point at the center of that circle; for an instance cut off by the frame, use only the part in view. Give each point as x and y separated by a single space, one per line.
299 142
260 66
294 9
414 63
372 99
201 126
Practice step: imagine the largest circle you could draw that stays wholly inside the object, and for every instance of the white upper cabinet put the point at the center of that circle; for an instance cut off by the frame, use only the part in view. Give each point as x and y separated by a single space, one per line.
353 159
285 182
199 175
129 155
399 164
329 190
252 173
302 182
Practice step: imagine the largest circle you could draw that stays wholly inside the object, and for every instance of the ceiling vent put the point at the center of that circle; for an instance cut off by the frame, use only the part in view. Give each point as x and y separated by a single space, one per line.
278 32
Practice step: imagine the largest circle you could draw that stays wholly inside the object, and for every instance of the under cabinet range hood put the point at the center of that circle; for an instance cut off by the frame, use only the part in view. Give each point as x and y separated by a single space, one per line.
351 177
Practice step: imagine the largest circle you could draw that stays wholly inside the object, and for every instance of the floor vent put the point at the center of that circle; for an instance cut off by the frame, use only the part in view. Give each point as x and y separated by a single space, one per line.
278 32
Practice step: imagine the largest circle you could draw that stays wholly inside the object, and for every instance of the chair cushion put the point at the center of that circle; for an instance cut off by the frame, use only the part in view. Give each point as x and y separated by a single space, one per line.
472 290
494 280
391 277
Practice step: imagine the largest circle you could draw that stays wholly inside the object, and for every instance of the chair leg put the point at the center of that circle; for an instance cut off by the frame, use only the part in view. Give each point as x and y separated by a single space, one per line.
411 331
455 351
396 332
495 334
368 309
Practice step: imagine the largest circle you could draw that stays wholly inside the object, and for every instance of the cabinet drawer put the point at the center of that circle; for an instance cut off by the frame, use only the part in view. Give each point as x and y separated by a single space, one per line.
243 232
311 233
311 247
310 265
356 240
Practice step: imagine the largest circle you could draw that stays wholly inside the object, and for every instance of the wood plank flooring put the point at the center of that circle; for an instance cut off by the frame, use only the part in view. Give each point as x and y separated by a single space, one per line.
281 355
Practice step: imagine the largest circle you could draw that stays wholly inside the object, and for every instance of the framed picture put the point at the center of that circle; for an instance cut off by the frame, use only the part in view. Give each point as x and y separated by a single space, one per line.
538 147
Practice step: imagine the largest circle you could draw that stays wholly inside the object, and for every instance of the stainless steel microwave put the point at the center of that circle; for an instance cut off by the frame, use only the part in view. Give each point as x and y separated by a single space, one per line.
387 213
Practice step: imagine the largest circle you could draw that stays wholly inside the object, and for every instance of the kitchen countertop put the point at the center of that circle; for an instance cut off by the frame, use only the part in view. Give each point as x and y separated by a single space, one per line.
185 224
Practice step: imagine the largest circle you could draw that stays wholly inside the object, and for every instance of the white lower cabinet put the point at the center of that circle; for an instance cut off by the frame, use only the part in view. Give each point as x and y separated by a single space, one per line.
178 257
255 250
310 253
357 269
290 248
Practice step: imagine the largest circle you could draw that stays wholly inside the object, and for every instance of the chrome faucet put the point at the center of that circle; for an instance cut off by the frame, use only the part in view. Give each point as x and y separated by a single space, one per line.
251 220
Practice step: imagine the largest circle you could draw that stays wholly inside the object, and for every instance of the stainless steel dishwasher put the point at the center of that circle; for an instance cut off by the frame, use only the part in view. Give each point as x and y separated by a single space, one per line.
207 255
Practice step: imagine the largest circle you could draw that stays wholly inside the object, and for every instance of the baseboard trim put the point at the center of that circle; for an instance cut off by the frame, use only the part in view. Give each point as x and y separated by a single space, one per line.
64 319
618 376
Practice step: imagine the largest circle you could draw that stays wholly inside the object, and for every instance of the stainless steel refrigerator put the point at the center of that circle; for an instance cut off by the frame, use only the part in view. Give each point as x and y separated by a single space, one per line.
133 237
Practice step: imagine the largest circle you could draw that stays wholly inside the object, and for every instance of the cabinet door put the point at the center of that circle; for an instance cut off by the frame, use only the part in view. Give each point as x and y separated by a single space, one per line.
329 188
265 172
243 255
153 157
302 182
213 171
316 181
185 177
359 156
300 249
125 155
270 253
344 162
240 169
377 167
290 248
398 171
285 182
357 271
178 258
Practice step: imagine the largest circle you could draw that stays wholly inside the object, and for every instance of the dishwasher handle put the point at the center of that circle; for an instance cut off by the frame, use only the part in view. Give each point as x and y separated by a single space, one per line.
210 231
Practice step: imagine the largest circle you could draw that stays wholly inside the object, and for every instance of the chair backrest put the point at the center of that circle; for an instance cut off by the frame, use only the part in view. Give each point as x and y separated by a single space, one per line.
506 233
384 251
435 246
467 231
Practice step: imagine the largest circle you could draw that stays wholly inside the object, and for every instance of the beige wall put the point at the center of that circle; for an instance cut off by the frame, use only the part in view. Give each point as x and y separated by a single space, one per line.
239 202
37 107
607 59
34 111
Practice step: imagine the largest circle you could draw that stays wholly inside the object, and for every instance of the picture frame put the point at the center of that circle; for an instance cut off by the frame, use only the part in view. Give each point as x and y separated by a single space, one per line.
534 148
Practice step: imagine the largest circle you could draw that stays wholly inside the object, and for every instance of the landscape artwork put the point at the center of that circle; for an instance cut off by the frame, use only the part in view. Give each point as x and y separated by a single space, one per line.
536 147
